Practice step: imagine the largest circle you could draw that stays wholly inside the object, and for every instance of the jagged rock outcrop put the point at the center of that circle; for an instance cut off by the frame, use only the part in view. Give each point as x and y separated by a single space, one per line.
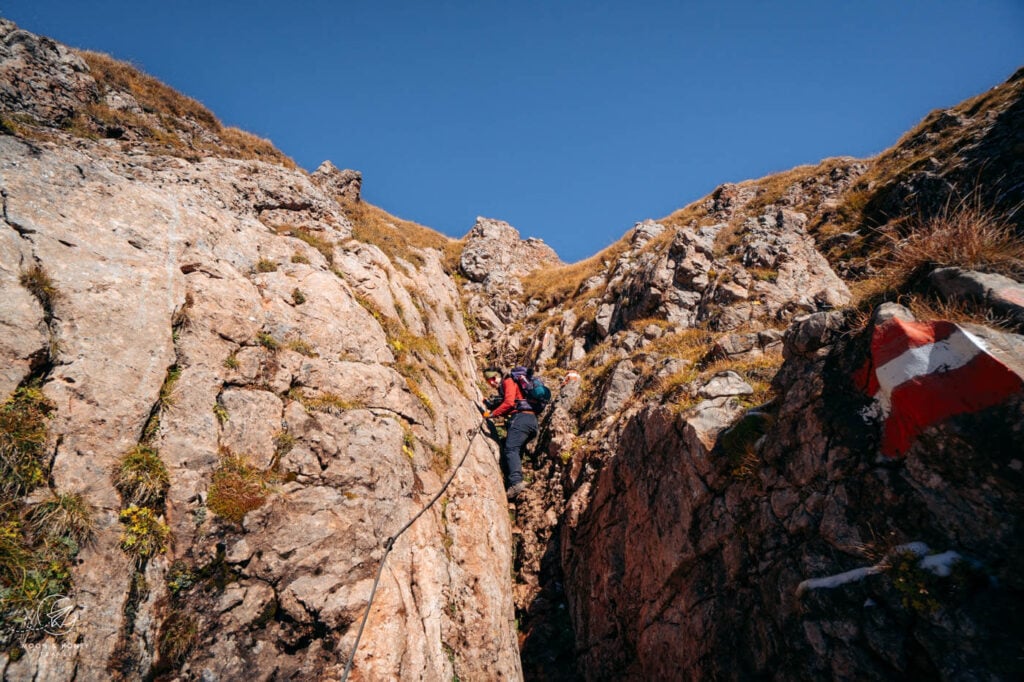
41 77
493 250
642 322
346 184
964 153
305 396
495 259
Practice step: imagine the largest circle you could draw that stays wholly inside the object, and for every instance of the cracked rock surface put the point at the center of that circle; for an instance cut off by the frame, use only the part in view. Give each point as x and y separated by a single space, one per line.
190 318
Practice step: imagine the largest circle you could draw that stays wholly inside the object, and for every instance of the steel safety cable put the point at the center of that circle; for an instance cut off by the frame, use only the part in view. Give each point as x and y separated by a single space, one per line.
389 545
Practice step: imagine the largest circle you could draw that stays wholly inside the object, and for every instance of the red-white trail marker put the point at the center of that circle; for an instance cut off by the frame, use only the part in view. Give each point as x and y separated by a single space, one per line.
921 373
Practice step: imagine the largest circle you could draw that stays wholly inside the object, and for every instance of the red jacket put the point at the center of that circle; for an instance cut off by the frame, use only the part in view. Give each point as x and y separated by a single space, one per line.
511 395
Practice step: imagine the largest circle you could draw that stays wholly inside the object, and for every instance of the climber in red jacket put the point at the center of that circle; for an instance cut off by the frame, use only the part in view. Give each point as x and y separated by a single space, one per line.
521 427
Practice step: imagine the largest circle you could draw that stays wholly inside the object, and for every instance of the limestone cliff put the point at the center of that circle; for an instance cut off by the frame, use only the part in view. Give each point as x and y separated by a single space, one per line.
176 298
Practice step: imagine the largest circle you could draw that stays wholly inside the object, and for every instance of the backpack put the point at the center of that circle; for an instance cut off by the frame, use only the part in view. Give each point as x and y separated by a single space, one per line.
536 393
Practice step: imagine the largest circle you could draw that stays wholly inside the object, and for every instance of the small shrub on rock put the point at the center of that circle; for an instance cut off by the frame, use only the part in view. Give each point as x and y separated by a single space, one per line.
267 341
143 534
23 422
62 519
39 284
302 347
141 476
236 489
265 265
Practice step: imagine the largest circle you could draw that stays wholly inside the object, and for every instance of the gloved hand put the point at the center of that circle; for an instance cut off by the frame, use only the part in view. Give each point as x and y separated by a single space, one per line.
486 414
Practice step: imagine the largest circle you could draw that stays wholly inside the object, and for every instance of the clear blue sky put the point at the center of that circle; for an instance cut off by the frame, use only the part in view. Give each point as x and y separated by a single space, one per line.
571 120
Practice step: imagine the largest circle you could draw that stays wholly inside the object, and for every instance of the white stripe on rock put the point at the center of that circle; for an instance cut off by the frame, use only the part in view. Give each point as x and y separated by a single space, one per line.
942 356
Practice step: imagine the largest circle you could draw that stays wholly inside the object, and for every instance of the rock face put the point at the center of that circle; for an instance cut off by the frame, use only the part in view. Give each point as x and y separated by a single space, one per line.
495 260
216 312
696 523
346 184
1004 295
493 250
680 549
40 77
709 494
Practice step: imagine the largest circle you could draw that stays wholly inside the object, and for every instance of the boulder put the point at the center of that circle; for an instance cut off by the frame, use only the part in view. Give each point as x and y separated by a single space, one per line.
343 184
725 384
1004 295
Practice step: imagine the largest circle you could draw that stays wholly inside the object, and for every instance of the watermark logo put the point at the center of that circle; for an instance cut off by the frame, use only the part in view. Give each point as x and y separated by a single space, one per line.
55 615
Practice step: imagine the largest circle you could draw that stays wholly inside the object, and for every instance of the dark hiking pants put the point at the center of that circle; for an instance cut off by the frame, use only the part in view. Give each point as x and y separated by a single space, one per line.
521 428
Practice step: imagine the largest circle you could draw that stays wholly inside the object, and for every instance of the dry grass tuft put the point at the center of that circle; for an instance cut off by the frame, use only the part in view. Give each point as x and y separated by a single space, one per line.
959 311
249 146
152 95
685 216
749 461
868 293
412 352
267 340
301 346
554 285
40 285
729 238
758 371
440 458
676 385
171 120
141 477
416 390
876 548
681 387
325 401
688 344
640 324
167 396
398 239
966 236
178 635
265 265
64 516
311 237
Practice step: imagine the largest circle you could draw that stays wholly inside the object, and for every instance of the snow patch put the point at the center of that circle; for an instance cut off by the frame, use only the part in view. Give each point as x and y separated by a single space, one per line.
939 564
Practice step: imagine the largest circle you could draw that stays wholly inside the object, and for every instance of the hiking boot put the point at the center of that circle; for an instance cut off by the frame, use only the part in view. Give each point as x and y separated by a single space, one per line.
513 491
